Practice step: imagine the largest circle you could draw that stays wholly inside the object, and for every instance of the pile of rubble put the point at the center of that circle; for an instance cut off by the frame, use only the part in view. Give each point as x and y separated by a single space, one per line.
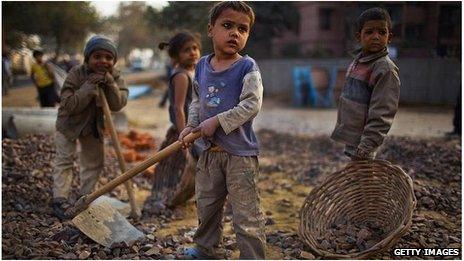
434 164
30 231
346 238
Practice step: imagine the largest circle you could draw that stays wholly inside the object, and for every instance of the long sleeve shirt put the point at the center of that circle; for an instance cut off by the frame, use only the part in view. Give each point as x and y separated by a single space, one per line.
368 103
78 113
233 95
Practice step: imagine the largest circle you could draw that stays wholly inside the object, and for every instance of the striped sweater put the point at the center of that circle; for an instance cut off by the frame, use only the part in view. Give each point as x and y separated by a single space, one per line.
368 102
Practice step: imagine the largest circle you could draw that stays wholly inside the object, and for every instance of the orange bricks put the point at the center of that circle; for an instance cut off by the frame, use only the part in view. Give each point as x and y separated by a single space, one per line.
130 155
135 142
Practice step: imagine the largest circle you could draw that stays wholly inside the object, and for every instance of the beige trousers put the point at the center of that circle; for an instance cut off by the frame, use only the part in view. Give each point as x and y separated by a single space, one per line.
91 159
220 174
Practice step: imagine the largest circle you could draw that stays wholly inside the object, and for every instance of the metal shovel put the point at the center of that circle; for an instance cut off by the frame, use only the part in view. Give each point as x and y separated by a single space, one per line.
102 223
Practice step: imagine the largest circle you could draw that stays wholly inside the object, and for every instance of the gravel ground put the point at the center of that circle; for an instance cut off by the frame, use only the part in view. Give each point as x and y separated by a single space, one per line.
290 167
296 155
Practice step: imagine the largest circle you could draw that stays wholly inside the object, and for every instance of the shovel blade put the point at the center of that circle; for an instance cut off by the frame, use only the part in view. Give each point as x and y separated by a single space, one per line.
106 226
121 207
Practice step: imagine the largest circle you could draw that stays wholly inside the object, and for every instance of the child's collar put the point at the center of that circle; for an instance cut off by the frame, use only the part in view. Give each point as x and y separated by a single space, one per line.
371 57
209 58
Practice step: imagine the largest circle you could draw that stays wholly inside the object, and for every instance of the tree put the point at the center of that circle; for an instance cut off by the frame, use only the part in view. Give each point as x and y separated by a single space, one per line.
271 19
66 24
192 16
134 31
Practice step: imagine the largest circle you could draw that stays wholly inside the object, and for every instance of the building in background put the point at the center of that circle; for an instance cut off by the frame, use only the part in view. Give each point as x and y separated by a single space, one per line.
421 29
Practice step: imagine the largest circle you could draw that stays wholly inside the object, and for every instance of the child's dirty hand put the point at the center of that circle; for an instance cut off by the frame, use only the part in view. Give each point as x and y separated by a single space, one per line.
361 155
355 158
96 78
209 126
109 79
187 154
90 88
182 135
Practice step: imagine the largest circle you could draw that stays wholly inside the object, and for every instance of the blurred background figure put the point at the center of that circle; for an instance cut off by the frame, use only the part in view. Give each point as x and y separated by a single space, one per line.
164 99
43 78
457 119
7 75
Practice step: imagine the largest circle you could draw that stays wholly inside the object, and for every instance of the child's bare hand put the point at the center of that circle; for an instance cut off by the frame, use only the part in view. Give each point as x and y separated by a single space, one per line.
182 135
209 126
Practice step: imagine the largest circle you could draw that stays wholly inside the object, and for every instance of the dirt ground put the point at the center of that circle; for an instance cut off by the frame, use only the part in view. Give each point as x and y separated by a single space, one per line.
409 122
290 167
144 113
289 171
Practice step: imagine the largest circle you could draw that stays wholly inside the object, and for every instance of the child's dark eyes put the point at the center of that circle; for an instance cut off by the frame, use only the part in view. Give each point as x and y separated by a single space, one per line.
243 29
106 57
189 49
381 32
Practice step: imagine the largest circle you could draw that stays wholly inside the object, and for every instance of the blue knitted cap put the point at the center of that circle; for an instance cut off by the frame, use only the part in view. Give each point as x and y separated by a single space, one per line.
99 42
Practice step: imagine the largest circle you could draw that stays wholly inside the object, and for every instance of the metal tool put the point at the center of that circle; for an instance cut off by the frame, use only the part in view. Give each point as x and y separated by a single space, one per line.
104 224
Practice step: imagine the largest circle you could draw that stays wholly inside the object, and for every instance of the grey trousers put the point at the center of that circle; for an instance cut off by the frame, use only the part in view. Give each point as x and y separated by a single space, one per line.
91 160
220 174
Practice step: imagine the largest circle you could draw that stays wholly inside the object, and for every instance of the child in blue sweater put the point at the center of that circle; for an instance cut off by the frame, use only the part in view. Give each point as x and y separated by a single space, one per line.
227 96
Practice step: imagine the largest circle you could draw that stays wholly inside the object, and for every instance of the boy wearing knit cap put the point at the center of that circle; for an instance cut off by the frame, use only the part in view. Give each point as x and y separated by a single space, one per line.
80 117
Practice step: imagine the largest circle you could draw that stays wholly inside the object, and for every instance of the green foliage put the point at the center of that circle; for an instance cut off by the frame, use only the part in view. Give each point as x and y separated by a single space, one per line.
320 51
192 16
65 23
133 29
189 15
291 50
271 19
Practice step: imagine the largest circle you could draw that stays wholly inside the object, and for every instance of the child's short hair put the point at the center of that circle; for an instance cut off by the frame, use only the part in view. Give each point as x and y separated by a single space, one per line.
37 53
238 6
175 43
375 13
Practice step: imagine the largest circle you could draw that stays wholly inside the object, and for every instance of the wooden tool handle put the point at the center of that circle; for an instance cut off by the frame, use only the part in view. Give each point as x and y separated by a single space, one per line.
160 155
135 213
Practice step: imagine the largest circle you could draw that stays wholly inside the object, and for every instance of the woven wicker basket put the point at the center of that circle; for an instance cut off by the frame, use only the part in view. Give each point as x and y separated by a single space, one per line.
374 191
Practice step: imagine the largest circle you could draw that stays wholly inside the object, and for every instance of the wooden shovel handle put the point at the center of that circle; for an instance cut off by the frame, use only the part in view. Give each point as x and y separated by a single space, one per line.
160 155
135 213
